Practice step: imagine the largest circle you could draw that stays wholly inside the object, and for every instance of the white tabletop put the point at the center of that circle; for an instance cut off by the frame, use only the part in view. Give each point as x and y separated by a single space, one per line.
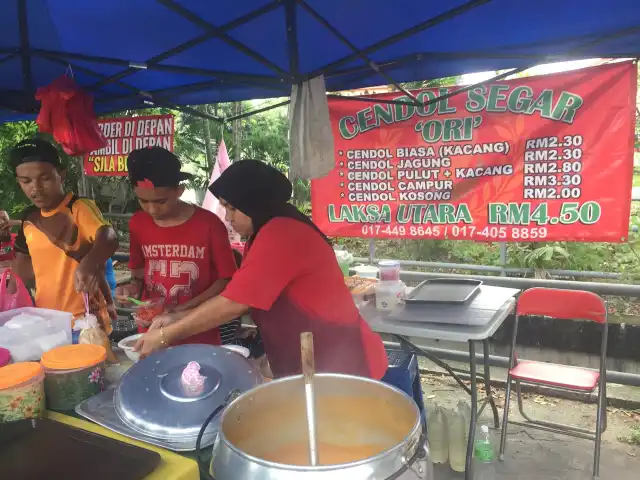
444 331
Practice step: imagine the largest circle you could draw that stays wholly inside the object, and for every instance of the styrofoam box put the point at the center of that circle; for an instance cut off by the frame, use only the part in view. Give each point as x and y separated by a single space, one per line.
30 342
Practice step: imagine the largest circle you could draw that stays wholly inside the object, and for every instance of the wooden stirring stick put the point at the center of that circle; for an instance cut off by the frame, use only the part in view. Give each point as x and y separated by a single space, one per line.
308 369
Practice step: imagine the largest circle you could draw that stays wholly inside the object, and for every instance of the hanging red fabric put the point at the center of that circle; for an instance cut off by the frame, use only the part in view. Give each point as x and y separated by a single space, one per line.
66 112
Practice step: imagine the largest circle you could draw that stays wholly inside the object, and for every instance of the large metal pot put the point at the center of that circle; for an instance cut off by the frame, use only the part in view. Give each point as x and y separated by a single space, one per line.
373 430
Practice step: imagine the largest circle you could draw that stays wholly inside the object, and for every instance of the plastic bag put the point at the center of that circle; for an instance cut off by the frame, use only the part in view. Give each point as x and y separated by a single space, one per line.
24 320
92 333
11 301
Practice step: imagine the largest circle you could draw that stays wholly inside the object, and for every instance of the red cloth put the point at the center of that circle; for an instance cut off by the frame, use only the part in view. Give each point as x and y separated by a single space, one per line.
67 113
7 252
292 281
183 261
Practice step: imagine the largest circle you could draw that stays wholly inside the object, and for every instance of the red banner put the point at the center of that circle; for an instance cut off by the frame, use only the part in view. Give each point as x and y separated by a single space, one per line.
125 135
534 159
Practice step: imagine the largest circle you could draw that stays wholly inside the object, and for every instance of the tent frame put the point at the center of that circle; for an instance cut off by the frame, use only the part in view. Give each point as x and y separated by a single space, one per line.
281 80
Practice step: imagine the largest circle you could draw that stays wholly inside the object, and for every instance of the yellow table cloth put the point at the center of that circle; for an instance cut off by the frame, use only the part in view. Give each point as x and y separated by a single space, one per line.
172 466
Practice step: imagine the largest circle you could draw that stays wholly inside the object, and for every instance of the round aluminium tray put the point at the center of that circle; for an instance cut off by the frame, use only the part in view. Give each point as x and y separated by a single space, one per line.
151 400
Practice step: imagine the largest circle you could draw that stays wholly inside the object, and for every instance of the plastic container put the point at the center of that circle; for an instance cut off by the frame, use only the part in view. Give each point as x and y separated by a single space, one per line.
484 456
345 259
150 310
437 433
389 295
240 350
366 271
73 373
29 332
127 345
21 391
389 270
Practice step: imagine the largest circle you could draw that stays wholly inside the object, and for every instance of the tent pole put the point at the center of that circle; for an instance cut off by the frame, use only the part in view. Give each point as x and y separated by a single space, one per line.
432 22
144 95
291 22
197 20
7 57
375 67
25 47
183 109
166 68
259 110
283 90
191 43
497 77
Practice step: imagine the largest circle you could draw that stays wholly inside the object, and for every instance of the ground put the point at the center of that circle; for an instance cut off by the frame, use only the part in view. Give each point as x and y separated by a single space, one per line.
533 454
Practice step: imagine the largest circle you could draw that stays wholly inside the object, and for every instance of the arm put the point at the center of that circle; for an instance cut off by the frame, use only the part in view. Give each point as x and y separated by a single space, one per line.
214 290
210 314
23 268
135 286
222 262
22 265
269 258
103 240
105 244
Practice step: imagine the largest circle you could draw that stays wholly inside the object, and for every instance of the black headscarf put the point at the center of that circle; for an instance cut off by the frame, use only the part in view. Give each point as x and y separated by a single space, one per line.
260 192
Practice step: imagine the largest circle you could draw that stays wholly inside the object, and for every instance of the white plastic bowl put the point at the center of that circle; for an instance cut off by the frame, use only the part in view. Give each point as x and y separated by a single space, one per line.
127 345
238 349
366 271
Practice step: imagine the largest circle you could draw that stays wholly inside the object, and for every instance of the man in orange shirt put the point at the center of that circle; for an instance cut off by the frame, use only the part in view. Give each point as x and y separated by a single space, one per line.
64 241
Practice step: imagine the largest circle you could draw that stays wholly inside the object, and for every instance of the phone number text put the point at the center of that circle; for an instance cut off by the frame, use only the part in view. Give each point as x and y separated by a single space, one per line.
458 232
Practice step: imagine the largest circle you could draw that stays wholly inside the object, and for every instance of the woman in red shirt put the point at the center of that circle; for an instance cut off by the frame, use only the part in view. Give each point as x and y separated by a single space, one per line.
289 281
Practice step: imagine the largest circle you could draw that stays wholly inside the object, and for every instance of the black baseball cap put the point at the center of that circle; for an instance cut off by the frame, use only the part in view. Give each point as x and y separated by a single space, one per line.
34 150
155 167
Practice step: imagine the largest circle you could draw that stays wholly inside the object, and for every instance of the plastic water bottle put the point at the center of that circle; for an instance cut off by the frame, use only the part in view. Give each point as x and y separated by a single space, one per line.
457 441
437 434
484 454
465 411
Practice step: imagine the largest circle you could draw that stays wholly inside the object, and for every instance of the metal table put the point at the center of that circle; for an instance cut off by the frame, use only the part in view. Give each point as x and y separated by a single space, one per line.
492 303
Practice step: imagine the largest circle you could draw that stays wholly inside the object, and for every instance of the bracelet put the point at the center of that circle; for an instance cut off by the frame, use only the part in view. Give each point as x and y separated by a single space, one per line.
163 340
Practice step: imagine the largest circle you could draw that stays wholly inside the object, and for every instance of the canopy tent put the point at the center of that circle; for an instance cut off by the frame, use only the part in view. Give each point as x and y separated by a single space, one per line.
185 52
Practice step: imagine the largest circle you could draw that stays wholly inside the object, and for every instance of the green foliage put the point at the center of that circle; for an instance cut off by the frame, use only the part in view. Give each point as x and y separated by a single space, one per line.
634 436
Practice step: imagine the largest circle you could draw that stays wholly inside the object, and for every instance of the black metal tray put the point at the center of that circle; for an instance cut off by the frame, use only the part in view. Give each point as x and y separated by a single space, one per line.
444 290
41 448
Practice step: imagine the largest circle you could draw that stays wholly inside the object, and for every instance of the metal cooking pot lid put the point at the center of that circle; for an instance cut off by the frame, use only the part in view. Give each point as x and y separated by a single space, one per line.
150 398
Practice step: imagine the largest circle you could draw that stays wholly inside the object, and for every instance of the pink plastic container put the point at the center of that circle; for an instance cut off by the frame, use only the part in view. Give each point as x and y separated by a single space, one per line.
389 270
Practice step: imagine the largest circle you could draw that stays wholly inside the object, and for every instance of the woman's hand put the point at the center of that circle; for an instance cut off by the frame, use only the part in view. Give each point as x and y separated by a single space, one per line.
164 320
150 342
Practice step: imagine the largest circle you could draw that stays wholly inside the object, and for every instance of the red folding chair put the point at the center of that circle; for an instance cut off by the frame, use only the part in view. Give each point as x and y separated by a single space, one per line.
560 304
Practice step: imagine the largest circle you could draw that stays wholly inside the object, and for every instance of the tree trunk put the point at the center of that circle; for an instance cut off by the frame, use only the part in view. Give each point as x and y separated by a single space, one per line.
206 130
237 133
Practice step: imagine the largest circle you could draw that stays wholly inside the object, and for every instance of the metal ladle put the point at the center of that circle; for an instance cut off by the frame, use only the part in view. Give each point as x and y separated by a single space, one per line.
308 369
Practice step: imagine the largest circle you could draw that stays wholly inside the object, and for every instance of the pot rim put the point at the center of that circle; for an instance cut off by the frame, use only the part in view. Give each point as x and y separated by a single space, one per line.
405 443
